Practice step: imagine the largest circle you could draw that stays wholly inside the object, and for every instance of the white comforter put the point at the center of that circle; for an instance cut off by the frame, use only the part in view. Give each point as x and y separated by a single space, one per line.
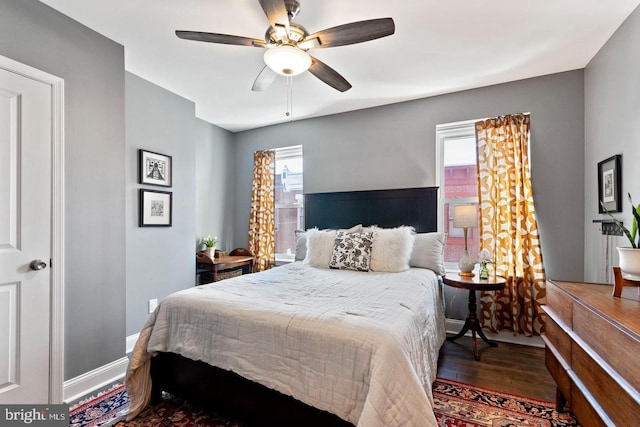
363 346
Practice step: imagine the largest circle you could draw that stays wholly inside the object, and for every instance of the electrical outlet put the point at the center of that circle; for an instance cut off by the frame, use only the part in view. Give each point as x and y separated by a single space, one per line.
153 303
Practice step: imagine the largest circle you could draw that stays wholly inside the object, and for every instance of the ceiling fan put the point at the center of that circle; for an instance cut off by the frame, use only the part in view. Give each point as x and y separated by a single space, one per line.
287 43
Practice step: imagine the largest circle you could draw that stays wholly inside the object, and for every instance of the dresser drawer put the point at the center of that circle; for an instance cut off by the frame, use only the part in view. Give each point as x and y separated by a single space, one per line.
619 349
557 336
587 416
561 302
619 402
558 370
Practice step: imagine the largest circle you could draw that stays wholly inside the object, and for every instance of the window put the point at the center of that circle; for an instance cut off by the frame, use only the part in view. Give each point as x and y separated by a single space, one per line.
458 182
289 200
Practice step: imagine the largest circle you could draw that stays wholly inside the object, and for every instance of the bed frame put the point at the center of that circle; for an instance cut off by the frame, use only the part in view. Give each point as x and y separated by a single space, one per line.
235 396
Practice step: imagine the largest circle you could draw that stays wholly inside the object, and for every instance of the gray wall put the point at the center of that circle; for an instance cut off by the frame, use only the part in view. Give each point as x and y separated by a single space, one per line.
215 185
612 126
394 147
161 260
93 70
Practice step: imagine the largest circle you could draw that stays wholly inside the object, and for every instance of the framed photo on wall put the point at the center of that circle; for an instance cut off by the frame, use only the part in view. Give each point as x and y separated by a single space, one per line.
155 208
610 184
154 168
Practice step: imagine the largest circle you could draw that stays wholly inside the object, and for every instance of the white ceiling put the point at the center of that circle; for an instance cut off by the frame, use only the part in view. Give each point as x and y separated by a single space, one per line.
439 47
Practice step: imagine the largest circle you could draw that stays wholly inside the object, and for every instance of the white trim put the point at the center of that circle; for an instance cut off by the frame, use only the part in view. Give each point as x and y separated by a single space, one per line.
131 342
57 250
457 125
56 325
283 153
86 383
453 326
443 132
446 131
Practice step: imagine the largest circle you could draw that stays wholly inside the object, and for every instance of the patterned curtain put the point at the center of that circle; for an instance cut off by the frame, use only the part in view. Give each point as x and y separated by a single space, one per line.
508 226
262 243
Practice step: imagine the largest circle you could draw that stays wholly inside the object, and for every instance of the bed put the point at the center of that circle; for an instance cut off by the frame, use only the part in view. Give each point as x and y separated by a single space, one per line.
301 345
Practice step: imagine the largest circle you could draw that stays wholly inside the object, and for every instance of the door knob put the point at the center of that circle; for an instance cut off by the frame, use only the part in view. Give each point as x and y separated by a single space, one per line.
38 264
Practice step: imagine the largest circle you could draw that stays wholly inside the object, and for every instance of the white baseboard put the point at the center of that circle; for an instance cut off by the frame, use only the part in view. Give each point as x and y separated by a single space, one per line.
131 342
453 326
86 383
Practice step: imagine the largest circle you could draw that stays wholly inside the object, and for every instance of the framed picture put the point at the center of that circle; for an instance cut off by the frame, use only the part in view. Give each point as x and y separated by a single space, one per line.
155 208
610 184
154 168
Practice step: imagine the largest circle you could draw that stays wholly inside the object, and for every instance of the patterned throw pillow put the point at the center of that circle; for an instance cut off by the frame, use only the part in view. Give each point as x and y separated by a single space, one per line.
352 251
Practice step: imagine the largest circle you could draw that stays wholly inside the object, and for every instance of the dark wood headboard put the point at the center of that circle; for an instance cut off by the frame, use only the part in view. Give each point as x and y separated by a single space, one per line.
417 207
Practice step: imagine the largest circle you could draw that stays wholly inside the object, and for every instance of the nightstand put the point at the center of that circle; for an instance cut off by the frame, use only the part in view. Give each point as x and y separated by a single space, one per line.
474 284
220 268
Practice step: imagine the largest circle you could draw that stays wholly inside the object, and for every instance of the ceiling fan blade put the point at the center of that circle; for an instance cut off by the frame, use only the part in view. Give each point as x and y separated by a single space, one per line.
264 79
277 15
355 32
220 38
328 75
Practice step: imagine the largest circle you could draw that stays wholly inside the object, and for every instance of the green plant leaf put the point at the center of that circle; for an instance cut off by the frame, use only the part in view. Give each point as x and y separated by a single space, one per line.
634 225
636 219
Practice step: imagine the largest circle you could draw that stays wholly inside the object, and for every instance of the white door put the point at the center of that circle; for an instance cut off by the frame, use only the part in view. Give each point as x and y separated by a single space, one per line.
25 238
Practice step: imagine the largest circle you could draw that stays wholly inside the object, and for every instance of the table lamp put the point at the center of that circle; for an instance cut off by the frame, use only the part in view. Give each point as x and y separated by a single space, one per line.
465 217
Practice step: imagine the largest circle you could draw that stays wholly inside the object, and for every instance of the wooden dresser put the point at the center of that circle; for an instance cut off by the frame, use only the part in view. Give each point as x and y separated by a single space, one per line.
593 351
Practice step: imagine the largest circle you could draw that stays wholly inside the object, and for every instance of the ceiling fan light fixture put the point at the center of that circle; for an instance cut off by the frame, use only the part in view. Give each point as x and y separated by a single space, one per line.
287 60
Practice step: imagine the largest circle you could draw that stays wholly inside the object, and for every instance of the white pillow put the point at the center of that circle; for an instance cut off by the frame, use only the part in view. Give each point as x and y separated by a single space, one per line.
302 245
428 252
355 229
392 248
319 247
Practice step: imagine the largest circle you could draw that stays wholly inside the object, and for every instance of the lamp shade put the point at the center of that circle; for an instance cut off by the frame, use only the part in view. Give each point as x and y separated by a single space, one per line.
287 60
465 216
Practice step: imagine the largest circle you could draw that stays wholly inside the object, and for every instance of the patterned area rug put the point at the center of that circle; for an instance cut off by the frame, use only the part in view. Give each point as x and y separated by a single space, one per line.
462 405
100 410
176 412
456 405
108 409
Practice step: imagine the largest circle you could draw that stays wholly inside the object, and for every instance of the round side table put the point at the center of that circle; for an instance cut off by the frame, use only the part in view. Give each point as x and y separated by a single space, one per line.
474 284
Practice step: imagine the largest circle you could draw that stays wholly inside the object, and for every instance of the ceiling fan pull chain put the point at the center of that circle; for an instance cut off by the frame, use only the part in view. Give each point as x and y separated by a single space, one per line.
291 97
289 112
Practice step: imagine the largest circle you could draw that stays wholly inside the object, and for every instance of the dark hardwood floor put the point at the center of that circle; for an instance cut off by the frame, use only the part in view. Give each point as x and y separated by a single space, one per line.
510 368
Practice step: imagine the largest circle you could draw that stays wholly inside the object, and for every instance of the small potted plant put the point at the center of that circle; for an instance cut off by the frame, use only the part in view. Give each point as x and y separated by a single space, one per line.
210 245
484 258
629 257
